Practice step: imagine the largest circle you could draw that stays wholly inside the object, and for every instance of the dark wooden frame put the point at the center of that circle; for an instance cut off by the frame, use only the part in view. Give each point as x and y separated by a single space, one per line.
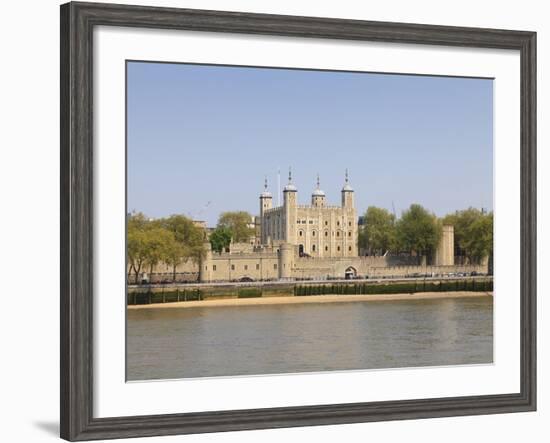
77 23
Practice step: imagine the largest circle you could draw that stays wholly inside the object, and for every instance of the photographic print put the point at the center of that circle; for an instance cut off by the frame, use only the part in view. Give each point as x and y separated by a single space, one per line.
284 220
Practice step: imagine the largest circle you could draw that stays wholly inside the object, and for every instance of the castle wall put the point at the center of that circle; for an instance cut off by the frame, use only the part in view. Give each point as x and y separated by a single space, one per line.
286 264
232 267
336 267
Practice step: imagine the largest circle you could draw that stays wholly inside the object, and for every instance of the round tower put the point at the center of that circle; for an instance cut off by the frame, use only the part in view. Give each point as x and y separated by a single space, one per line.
205 268
286 256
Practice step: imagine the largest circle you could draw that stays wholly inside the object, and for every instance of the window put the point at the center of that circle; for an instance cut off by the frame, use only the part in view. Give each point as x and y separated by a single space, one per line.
349 224
311 222
349 234
338 234
326 222
246 267
338 223
301 233
349 249
313 248
338 248
206 268
213 267
313 233
257 267
326 233
275 266
232 267
326 248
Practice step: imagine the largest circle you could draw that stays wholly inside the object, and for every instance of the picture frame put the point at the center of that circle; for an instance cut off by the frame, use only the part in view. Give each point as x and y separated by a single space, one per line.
77 217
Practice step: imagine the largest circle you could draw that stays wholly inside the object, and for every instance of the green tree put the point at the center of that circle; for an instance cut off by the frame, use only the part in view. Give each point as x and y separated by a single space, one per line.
378 234
158 243
136 247
188 241
418 230
238 223
480 238
148 243
220 239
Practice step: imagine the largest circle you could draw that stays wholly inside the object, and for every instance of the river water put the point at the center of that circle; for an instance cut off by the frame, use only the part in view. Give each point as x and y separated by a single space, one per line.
270 339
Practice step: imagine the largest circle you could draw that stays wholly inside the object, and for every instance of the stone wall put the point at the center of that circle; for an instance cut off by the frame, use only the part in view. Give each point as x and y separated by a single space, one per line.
234 267
373 267
266 264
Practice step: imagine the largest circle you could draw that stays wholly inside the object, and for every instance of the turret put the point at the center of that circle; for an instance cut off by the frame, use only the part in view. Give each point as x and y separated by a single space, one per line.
290 192
347 194
290 201
318 198
266 202
266 199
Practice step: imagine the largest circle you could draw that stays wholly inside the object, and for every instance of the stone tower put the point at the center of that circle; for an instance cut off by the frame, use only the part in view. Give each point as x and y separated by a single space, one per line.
350 247
266 202
290 202
347 194
318 198
286 255
445 252
205 268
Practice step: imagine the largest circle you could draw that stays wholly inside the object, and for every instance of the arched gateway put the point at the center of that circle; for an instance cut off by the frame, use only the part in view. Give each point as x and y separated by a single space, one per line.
350 273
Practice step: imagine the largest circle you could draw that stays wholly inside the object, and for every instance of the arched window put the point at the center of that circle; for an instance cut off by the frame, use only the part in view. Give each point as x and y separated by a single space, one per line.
326 248
326 233
338 248
338 234
313 233
313 248
349 234
301 233
349 248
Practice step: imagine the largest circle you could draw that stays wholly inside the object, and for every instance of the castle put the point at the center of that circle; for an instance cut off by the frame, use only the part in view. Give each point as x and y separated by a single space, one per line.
317 230
318 241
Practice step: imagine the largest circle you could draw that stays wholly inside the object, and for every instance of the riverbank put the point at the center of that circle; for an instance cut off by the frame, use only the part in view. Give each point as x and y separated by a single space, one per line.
312 299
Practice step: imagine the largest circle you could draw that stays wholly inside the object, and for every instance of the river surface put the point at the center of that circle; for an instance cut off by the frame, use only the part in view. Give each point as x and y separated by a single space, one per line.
270 339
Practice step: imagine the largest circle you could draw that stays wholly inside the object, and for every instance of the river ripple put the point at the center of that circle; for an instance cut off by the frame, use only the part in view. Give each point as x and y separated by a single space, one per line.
271 339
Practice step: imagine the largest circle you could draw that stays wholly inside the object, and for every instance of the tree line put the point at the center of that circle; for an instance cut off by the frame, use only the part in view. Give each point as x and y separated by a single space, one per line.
419 231
176 239
173 240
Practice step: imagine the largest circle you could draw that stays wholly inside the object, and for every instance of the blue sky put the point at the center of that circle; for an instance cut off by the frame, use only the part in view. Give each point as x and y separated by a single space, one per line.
200 134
